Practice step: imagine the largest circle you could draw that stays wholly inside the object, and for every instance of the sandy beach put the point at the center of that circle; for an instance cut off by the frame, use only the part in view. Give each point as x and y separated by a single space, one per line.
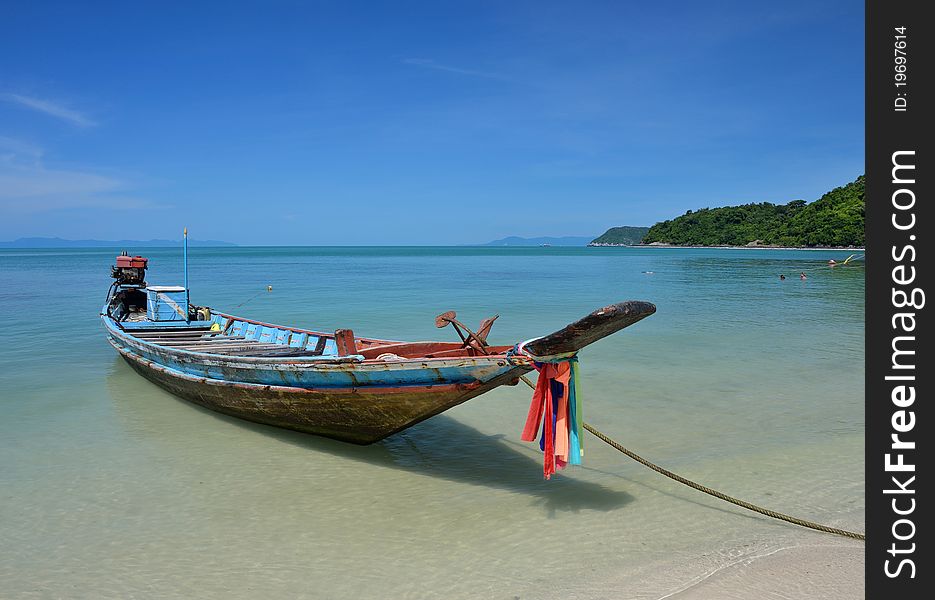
833 571
828 569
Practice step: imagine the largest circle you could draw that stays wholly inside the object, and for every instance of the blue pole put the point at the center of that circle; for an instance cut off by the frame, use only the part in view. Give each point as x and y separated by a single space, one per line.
185 264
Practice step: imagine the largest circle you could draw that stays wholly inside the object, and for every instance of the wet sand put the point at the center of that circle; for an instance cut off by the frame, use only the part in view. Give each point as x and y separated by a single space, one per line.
821 571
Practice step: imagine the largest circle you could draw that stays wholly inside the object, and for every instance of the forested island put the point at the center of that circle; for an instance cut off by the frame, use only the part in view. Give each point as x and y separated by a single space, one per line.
621 236
835 219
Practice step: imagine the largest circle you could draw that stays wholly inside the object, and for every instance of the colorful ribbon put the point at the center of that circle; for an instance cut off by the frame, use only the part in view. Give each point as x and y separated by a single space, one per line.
556 405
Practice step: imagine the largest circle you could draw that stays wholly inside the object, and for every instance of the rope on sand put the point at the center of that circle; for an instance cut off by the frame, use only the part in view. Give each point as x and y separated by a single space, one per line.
715 493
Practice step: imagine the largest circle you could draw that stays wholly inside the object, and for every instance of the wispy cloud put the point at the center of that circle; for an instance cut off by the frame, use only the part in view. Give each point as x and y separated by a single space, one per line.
12 150
53 109
25 183
427 63
28 186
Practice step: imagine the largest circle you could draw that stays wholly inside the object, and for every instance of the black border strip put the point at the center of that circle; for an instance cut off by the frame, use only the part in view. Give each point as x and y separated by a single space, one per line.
898 262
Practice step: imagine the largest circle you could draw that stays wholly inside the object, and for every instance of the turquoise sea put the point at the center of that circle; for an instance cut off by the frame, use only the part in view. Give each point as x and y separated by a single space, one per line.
112 488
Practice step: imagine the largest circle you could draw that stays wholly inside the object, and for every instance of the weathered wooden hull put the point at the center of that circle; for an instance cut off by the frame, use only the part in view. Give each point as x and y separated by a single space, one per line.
359 398
360 415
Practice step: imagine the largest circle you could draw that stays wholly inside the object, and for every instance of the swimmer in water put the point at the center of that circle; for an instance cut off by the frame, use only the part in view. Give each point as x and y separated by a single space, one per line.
802 276
782 277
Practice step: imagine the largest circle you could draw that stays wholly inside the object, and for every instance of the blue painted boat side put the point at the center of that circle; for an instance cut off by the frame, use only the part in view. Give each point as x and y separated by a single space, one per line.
276 335
311 372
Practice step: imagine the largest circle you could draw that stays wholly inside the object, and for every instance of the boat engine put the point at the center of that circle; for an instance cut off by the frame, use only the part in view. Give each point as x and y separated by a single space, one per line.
130 270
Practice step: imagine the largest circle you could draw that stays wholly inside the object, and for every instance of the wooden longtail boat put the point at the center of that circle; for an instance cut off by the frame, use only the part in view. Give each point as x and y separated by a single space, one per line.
349 388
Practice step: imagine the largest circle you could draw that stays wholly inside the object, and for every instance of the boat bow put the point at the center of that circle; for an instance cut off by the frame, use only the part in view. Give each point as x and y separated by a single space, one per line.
589 329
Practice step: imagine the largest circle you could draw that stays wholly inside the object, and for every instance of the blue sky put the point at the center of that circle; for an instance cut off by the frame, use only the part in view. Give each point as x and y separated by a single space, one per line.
417 122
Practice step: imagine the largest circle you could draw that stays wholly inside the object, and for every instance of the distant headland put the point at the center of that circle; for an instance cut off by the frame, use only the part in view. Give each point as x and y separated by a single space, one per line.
836 220
621 236
54 242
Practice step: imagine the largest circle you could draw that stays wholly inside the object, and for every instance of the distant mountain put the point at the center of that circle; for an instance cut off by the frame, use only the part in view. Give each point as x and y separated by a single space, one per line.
39 242
539 241
621 236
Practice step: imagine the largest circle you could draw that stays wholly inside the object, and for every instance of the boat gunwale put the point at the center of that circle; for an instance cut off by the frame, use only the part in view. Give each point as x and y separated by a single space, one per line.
298 329
328 363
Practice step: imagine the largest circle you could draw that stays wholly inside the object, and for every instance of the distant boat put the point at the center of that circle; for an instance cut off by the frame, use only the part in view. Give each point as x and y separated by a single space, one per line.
354 389
545 245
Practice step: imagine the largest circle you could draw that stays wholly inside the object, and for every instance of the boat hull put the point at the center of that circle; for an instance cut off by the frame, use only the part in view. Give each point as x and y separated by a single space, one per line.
360 415
301 379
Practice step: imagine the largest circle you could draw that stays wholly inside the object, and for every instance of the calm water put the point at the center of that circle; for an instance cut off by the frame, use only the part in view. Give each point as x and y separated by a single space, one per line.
112 488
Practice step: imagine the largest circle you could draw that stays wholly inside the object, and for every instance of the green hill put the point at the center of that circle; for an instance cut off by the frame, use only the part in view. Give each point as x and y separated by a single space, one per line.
835 219
621 236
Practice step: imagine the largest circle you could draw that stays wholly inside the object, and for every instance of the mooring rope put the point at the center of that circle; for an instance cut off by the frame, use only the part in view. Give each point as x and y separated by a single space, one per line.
715 493
721 495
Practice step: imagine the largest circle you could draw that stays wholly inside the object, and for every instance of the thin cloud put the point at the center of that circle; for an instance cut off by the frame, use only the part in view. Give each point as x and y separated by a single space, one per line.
426 63
28 186
36 189
13 150
50 108
38 182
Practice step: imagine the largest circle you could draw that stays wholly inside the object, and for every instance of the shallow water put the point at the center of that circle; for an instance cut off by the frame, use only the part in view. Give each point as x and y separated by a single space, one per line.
110 487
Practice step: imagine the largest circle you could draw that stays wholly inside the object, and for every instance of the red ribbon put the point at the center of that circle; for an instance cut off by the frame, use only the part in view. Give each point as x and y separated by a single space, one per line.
541 409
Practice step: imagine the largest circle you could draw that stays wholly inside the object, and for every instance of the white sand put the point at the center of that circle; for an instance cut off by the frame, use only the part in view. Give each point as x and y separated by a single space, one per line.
808 572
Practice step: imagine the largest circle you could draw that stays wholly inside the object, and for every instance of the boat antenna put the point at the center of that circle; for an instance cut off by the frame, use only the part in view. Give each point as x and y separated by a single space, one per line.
185 267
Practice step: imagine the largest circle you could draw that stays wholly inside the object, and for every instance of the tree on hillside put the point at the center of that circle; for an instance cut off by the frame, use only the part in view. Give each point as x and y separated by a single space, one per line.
835 219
